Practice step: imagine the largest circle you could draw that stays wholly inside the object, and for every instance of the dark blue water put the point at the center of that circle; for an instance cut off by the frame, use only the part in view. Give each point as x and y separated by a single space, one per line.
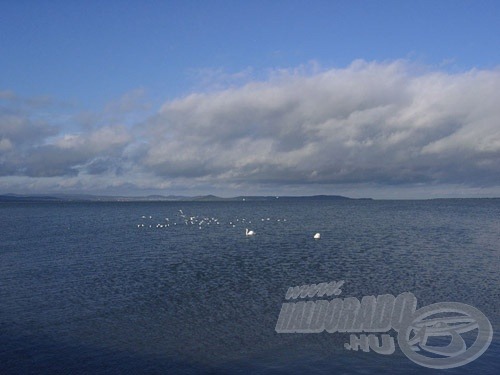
86 288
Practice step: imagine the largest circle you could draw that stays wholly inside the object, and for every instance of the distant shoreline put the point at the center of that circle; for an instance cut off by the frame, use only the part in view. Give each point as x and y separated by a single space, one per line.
5 198
159 198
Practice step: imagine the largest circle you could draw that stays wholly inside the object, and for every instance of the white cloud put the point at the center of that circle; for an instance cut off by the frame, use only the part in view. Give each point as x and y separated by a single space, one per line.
369 123
386 125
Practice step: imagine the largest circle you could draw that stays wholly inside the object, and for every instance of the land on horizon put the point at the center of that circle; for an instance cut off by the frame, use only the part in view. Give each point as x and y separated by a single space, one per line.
10 197
154 198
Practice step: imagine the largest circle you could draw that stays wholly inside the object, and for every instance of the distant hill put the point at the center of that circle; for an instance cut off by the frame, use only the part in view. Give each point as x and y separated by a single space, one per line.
155 198
27 198
287 197
87 198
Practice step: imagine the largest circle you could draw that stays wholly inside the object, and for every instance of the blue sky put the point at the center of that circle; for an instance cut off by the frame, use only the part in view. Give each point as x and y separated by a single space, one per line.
103 97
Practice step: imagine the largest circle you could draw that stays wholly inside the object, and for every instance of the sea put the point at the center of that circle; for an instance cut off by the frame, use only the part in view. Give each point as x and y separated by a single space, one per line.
178 288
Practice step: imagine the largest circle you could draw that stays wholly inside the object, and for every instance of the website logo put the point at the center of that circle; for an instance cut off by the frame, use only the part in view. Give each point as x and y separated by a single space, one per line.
432 336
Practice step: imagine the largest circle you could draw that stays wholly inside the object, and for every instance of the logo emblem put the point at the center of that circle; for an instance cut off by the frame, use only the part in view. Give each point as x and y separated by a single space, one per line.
443 324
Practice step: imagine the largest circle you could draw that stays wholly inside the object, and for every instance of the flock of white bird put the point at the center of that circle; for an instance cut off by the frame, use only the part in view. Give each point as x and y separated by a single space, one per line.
200 221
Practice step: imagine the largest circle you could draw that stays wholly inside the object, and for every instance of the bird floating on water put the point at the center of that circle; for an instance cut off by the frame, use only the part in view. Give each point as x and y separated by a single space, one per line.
249 232
317 236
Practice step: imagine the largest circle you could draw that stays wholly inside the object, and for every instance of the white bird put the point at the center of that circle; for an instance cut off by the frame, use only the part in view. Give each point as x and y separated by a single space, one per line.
249 232
317 236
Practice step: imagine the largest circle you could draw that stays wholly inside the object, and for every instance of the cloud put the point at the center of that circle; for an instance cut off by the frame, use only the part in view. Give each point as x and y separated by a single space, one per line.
71 154
210 79
130 102
382 123
389 125
19 129
33 147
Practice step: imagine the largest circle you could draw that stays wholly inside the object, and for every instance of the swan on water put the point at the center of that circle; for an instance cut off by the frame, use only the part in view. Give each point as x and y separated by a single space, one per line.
249 232
317 236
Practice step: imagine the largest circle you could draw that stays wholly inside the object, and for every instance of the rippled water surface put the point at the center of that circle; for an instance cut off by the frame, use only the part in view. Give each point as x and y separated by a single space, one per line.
104 288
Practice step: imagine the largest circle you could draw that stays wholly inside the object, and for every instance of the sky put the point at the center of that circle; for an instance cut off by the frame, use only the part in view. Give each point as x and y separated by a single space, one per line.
383 99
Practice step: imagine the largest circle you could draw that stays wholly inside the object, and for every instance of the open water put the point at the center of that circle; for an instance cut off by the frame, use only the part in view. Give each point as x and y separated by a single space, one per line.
177 287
